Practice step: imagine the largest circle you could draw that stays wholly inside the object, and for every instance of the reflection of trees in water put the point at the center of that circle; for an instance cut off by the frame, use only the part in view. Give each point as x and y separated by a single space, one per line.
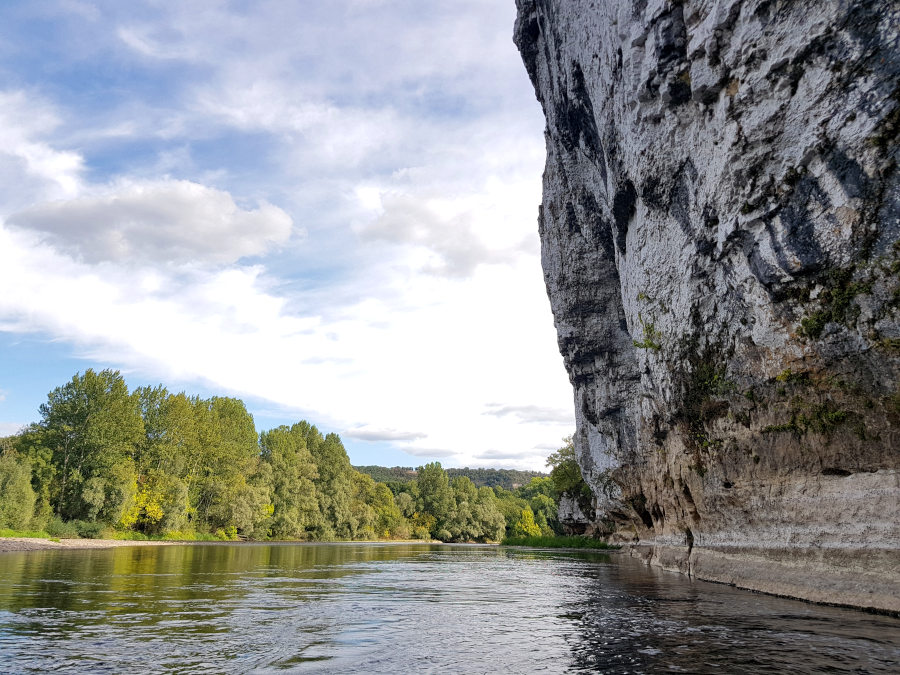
281 605
150 581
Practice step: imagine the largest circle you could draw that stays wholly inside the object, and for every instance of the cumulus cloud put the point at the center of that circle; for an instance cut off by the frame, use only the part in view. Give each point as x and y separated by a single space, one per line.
373 434
416 298
159 221
532 414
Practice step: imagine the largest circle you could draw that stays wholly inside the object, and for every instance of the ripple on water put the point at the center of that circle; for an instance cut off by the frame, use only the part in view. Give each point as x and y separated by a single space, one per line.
405 608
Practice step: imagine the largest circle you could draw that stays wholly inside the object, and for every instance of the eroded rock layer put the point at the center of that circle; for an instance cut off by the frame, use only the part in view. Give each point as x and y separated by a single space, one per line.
720 228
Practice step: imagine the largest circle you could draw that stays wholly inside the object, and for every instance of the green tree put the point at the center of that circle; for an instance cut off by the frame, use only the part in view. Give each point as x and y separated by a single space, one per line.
436 498
525 525
16 496
221 485
334 483
362 511
406 504
169 450
291 475
31 444
545 510
93 427
566 473
511 506
389 521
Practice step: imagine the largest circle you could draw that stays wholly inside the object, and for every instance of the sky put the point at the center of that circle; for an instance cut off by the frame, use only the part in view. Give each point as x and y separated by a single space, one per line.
327 208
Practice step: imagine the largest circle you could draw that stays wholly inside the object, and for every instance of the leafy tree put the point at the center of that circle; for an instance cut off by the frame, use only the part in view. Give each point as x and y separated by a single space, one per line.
487 513
92 426
566 473
362 513
389 521
510 506
436 499
545 510
171 432
334 483
537 486
291 472
229 456
525 525
406 504
30 443
16 496
169 451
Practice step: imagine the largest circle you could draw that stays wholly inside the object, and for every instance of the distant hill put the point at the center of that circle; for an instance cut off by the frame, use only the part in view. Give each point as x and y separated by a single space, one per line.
506 478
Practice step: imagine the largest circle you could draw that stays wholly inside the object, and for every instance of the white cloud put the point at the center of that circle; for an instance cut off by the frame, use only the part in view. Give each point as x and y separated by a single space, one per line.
30 168
160 221
430 452
431 366
375 434
532 414
409 221
402 135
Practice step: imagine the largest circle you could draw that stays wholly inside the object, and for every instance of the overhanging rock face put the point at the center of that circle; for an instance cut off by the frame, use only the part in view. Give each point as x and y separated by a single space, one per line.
720 228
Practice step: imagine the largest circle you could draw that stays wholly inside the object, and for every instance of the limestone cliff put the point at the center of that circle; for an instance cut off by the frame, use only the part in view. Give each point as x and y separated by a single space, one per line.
720 236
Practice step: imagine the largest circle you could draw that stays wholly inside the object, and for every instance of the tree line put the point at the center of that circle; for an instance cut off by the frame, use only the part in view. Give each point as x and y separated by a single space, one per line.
103 459
506 478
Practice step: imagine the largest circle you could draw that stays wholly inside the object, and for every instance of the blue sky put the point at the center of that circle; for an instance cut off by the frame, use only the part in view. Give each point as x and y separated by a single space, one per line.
327 209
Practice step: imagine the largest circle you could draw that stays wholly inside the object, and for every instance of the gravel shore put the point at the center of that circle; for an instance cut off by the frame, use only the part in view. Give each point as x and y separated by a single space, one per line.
8 544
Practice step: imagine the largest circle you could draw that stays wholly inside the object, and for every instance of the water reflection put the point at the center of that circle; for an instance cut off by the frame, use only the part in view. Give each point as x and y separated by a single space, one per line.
404 608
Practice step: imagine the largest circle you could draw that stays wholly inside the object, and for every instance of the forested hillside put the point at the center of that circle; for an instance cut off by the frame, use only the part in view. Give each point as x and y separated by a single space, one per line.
509 479
104 460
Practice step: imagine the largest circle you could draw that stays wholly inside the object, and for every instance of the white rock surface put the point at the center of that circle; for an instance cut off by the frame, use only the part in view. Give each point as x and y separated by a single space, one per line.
719 230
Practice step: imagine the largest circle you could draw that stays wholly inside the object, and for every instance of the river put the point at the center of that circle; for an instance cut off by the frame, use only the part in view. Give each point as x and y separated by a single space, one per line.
398 608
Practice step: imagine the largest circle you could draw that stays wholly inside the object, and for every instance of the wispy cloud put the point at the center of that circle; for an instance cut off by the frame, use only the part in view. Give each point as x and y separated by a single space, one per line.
431 452
368 434
532 414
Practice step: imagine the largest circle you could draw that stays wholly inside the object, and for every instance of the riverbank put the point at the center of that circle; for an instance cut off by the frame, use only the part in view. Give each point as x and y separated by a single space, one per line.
866 579
9 544
572 542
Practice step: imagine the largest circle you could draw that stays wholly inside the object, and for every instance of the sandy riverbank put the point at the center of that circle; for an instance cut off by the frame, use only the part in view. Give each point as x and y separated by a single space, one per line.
8 544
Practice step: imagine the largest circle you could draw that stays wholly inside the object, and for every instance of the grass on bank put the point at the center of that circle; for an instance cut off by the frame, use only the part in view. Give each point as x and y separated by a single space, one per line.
26 534
557 542
76 530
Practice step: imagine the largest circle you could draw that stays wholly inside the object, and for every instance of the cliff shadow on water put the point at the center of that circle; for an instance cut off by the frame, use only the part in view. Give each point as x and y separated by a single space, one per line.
720 235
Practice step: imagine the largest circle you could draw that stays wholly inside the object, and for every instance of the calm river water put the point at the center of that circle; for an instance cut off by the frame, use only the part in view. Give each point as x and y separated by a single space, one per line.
399 608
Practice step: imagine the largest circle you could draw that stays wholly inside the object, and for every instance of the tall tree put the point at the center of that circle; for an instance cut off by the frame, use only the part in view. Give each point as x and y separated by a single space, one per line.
16 495
334 483
93 427
295 500
436 499
222 489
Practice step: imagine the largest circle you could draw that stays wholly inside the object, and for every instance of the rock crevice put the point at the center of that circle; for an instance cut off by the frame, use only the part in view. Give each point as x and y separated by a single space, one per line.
719 228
